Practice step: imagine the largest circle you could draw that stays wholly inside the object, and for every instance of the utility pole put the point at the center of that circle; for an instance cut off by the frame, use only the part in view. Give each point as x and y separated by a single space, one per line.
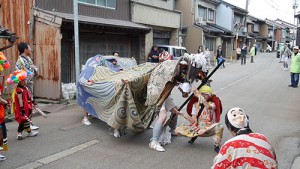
76 37
295 6
245 24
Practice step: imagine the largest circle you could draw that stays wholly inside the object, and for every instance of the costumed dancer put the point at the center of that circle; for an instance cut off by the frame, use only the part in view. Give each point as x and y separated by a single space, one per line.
246 149
203 122
3 131
210 98
168 106
24 62
22 102
4 64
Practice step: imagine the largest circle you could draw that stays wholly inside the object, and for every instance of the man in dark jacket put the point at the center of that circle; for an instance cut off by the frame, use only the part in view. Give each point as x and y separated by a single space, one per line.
244 53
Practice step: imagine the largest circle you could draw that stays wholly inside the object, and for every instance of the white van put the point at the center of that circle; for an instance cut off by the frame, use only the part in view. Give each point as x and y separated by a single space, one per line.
175 51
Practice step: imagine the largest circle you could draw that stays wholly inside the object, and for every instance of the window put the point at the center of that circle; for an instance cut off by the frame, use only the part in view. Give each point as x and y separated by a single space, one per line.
211 15
202 12
256 28
102 3
238 19
209 43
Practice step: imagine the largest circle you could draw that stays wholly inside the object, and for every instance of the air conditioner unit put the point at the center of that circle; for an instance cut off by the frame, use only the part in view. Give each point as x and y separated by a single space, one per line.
199 20
244 30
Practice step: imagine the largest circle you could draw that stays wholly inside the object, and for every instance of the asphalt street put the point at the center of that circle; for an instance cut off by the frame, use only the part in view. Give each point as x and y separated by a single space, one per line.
260 88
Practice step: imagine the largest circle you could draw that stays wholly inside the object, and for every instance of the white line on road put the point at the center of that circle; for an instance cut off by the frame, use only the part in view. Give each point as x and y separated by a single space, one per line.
233 83
57 156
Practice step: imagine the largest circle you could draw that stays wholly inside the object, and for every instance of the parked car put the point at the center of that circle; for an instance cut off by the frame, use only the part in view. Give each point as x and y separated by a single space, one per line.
269 48
175 51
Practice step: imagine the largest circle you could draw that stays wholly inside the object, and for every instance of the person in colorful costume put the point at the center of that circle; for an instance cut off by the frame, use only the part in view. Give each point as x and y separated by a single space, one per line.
3 131
246 149
211 98
4 64
203 122
22 102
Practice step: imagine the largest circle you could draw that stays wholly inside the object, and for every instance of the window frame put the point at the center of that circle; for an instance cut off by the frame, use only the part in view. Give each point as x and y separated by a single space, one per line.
209 12
204 18
96 5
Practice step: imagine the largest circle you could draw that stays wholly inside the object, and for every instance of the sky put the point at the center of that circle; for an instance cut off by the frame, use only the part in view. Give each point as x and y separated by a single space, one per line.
271 9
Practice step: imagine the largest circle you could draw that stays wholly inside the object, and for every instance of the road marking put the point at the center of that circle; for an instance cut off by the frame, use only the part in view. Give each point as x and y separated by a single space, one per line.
58 156
243 78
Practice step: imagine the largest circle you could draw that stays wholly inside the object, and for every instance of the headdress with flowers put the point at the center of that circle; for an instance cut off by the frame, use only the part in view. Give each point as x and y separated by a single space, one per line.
4 63
18 75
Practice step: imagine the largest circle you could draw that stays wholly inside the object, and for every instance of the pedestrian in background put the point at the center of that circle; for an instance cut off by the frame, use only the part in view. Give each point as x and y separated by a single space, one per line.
220 55
200 50
246 149
244 54
285 55
252 53
153 56
207 57
295 68
281 50
238 52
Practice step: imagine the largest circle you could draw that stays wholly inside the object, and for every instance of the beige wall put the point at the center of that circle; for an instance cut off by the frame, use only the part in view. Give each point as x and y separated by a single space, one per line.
263 30
193 39
155 16
194 35
168 4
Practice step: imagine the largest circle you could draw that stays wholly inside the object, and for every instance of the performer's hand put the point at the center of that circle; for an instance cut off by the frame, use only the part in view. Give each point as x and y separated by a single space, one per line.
202 99
200 132
195 128
196 92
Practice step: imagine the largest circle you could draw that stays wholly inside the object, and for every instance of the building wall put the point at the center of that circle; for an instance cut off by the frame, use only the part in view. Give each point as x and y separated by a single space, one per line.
204 4
194 35
169 20
264 30
194 39
15 18
166 4
166 18
47 46
224 16
278 35
122 11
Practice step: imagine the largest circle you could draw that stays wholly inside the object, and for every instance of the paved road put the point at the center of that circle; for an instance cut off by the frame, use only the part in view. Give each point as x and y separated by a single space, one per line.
259 88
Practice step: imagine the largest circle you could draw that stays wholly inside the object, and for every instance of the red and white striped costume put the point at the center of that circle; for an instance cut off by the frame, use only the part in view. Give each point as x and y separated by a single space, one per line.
246 151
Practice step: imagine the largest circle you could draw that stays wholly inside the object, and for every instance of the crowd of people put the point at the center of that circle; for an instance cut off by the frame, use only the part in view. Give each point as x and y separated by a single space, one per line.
246 149
22 102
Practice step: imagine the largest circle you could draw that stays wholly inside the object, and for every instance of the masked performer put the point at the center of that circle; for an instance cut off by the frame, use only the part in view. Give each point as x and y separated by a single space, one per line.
246 149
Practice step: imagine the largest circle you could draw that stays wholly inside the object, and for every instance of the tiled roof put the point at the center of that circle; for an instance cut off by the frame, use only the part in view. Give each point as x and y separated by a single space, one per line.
213 28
